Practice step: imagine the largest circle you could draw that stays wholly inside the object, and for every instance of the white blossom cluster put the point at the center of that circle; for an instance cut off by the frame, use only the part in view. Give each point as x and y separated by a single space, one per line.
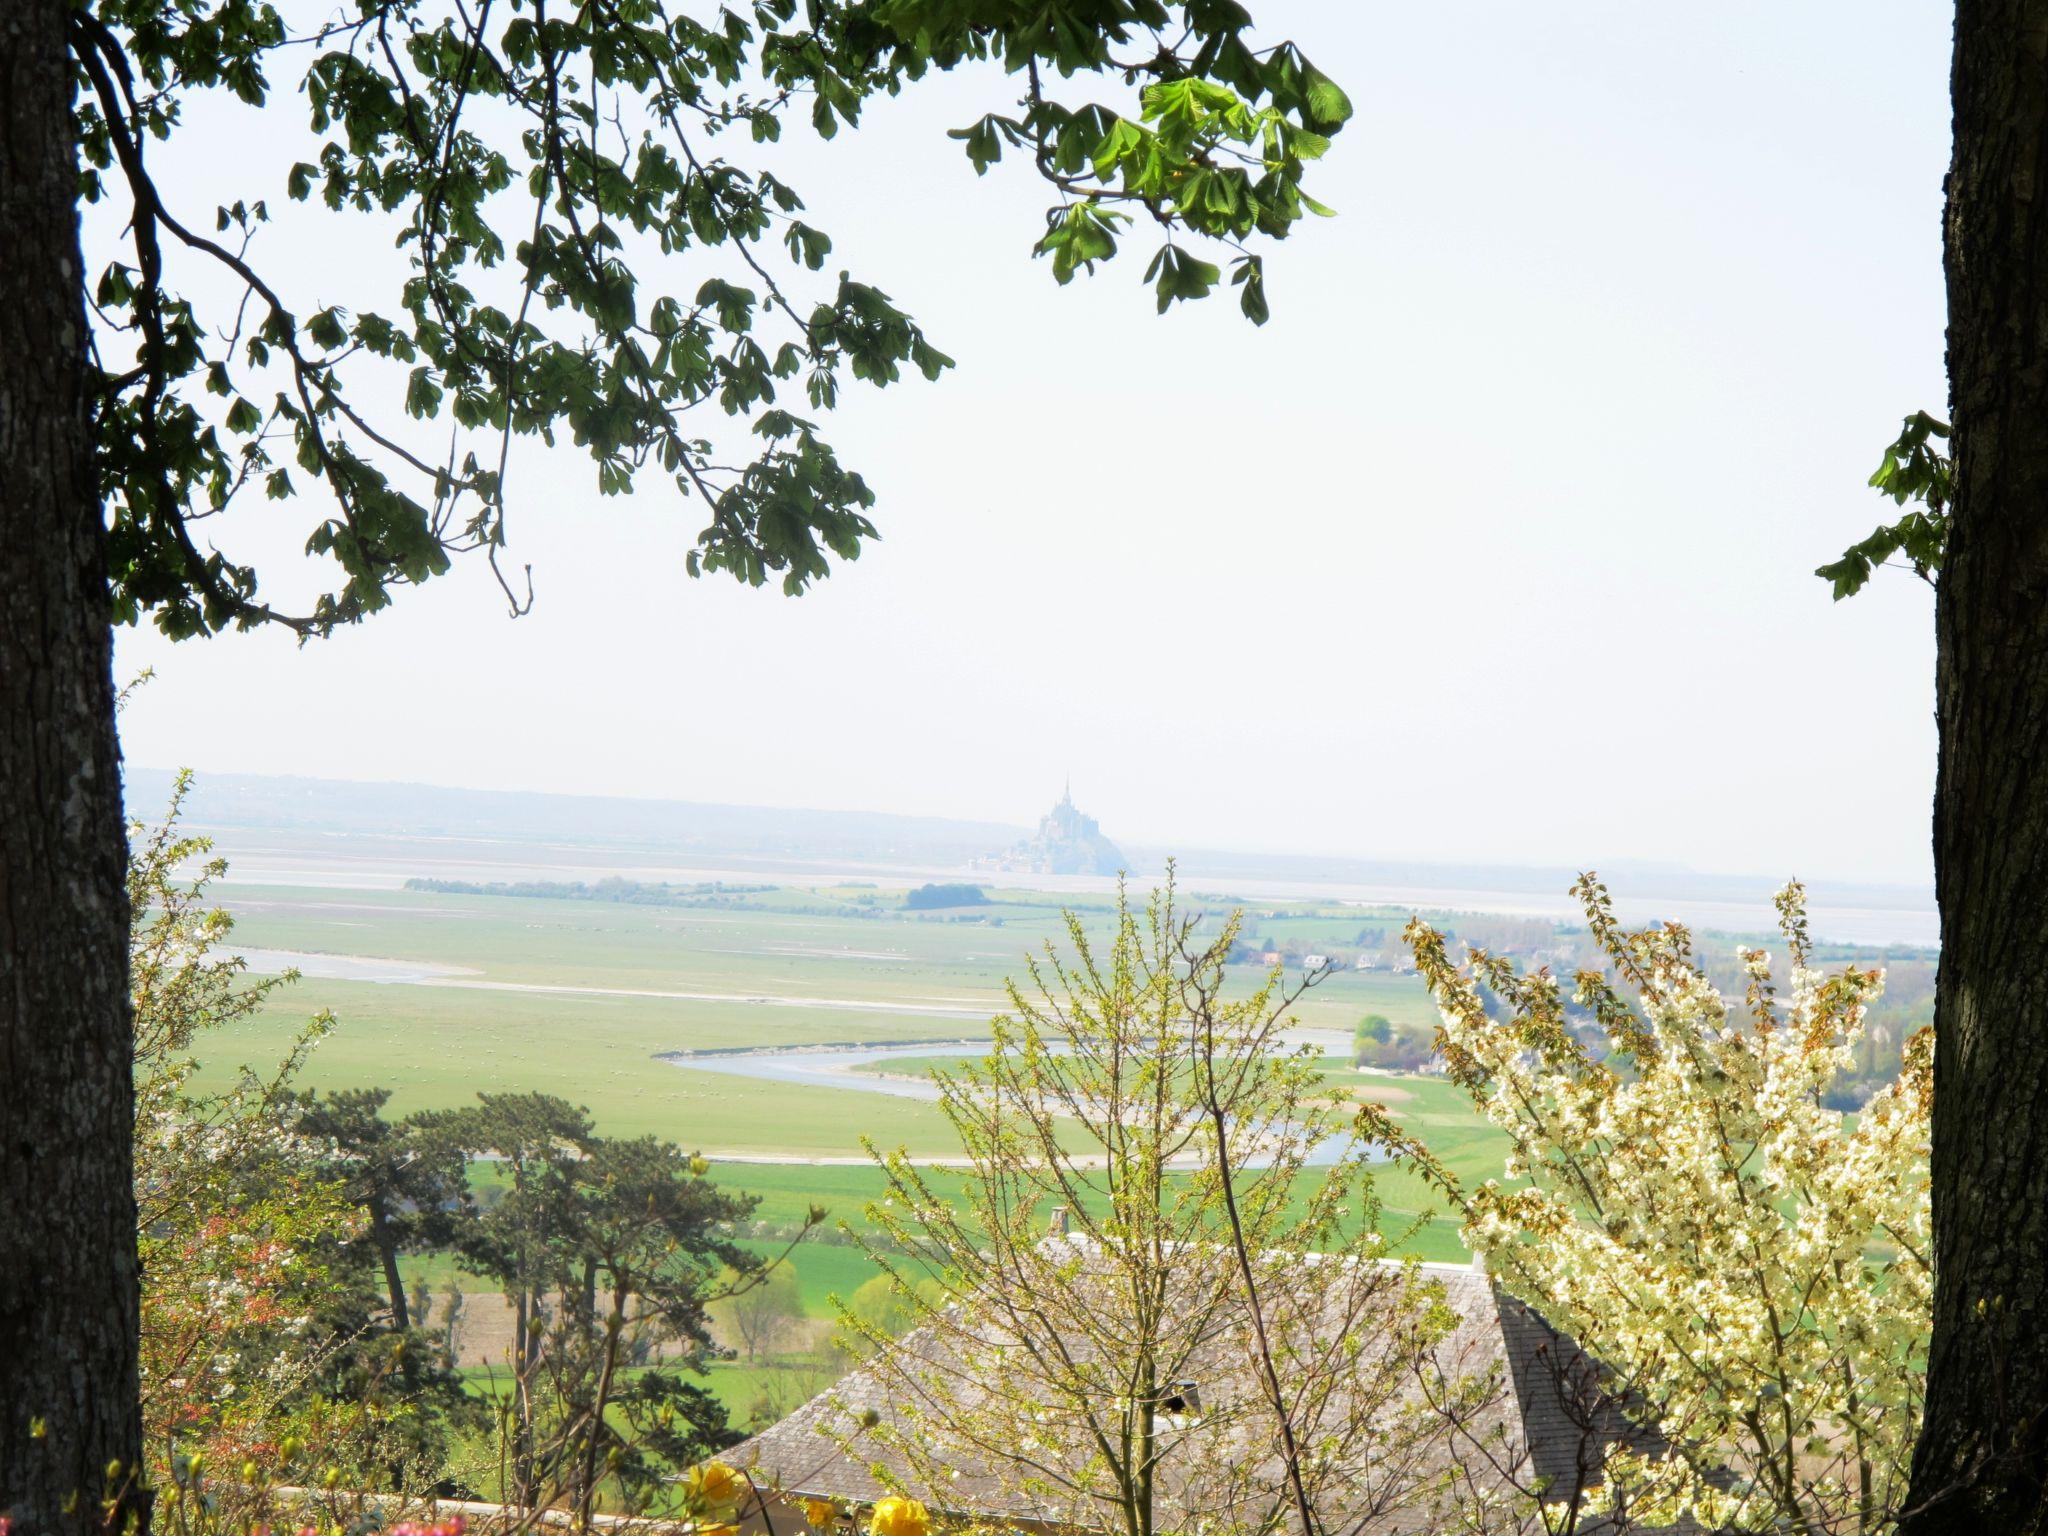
1749 1267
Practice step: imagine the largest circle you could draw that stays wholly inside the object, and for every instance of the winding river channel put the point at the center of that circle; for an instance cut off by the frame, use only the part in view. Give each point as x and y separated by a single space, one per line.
840 1067
830 1067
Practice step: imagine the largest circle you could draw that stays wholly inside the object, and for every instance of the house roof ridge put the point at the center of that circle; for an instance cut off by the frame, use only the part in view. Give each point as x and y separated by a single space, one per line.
1082 1242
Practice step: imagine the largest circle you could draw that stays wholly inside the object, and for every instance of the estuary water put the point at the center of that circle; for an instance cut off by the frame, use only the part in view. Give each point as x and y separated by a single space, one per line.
1878 915
838 1068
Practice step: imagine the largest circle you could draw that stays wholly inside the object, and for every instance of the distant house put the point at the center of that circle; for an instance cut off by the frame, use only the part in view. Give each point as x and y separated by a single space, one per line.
1542 1422
1271 957
1314 962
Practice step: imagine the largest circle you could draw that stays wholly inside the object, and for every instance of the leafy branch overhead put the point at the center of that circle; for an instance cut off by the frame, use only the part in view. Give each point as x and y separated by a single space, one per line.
584 214
1916 472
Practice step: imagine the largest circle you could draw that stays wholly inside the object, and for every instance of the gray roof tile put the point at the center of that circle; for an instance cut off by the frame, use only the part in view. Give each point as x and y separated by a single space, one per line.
1546 1424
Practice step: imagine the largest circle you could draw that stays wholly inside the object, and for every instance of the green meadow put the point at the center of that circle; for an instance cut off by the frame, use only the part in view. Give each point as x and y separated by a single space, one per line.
582 999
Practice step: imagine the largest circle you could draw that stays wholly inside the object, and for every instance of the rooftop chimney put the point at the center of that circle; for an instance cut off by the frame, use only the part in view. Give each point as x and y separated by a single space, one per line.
1057 1227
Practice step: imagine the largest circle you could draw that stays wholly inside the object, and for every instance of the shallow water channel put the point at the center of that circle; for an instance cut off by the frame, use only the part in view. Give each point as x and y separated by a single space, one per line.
835 1067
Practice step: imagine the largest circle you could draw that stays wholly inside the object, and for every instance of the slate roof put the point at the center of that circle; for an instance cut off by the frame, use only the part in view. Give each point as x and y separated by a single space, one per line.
1546 1423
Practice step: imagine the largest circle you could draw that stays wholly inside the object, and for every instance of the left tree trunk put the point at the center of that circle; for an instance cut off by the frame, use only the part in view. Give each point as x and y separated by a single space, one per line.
70 1425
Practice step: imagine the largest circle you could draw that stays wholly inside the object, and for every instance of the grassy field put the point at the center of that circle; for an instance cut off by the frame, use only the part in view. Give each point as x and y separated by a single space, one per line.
580 999
564 996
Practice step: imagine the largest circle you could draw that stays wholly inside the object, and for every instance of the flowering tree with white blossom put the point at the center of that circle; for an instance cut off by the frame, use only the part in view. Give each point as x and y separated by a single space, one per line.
1750 1268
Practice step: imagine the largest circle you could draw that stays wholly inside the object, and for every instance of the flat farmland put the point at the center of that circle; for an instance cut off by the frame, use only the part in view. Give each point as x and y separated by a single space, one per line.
437 1048
477 993
441 995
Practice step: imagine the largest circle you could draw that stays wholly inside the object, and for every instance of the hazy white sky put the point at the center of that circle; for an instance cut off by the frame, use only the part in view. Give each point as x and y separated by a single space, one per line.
1494 544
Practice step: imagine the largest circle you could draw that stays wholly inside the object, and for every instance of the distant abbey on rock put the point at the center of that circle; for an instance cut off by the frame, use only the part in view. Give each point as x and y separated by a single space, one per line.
1066 843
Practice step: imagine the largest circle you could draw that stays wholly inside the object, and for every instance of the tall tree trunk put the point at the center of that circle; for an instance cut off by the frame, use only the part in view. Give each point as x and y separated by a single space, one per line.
68 1308
385 1240
1982 1461
596 1442
524 1490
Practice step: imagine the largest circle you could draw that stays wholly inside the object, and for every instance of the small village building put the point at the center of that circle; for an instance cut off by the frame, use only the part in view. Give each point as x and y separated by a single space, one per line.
1542 1423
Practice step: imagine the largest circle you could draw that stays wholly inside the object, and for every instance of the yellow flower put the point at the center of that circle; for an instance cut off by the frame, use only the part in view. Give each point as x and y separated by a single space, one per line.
820 1513
713 1487
896 1516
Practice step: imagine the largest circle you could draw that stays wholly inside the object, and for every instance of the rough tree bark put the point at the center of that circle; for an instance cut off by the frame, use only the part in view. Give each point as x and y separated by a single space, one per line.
68 1309
1982 1461
386 1243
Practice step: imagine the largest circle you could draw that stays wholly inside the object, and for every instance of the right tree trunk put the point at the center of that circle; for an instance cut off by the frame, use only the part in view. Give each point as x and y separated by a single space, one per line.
1982 1461
70 1428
